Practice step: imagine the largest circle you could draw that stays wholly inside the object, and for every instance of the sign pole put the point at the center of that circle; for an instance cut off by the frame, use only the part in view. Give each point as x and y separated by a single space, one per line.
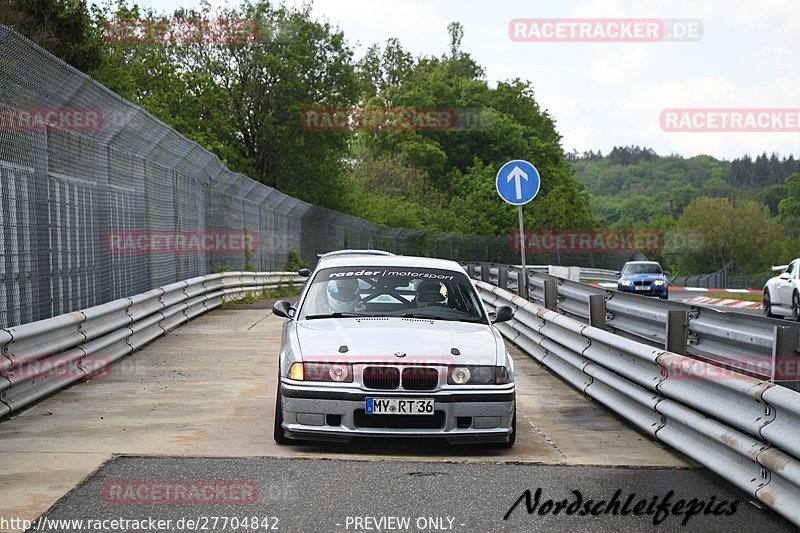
523 280
518 183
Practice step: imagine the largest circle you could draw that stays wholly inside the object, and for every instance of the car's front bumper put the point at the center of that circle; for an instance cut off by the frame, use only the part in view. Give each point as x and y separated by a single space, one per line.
651 290
475 415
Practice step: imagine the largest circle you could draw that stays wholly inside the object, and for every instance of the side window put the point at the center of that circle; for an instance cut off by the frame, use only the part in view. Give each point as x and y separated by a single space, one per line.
795 270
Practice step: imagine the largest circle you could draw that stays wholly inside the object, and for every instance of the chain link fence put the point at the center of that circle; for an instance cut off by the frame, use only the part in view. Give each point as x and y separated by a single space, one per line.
83 172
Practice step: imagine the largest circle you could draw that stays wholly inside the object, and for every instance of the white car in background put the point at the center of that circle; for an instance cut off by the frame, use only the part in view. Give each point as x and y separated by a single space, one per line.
391 346
782 293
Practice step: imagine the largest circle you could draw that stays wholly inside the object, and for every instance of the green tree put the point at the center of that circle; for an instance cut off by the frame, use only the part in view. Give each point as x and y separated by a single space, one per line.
726 230
63 27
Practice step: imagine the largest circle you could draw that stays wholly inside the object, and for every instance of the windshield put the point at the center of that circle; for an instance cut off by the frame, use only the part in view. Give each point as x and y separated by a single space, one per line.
391 291
643 268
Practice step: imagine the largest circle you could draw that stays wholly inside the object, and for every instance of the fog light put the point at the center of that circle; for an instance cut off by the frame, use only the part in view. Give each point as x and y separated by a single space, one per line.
460 375
338 373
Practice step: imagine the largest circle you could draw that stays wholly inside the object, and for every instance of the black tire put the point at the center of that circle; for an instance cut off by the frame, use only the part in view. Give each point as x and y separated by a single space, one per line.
767 305
278 434
664 296
796 307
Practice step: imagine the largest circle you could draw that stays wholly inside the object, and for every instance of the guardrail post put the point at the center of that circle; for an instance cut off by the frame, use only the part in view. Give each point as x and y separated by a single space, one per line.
471 271
785 368
485 273
677 331
597 310
502 277
550 295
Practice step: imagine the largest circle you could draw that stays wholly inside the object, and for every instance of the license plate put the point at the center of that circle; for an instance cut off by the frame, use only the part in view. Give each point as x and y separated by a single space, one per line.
398 406
643 288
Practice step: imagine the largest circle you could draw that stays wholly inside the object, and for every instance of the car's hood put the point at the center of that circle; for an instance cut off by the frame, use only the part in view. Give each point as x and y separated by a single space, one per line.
642 277
379 339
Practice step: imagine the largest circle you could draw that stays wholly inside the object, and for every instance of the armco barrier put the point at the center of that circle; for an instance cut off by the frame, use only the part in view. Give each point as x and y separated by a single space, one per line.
744 429
42 357
745 343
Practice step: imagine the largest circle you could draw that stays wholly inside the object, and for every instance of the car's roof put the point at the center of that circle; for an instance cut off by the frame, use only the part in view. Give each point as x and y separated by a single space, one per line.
401 261
339 253
643 263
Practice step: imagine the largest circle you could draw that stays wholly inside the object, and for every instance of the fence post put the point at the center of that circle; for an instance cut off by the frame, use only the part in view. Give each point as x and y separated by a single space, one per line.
502 277
785 369
597 310
485 274
550 295
677 330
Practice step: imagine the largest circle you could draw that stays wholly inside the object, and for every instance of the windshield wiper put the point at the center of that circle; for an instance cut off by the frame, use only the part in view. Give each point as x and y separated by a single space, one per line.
429 317
335 315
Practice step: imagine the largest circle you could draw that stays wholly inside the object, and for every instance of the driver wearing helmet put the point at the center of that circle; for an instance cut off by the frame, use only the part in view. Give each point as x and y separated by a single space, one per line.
343 296
429 293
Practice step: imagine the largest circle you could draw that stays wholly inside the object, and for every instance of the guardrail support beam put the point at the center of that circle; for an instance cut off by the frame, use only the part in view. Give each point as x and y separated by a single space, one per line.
597 310
550 295
677 331
502 277
485 274
785 356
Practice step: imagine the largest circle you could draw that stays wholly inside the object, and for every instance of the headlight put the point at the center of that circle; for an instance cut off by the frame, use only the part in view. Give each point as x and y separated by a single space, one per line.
339 373
478 375
626 283
658 282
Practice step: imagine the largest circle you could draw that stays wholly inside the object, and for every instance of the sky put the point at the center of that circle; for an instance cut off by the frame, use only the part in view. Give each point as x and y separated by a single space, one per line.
603 95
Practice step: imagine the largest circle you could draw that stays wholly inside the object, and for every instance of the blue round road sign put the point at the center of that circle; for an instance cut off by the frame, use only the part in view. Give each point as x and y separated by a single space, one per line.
518 182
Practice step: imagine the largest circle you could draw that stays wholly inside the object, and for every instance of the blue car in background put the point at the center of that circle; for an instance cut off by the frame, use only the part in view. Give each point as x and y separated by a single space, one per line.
644 277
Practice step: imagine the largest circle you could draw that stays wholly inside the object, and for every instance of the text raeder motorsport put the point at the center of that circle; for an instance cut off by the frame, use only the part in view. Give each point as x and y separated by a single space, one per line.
391 274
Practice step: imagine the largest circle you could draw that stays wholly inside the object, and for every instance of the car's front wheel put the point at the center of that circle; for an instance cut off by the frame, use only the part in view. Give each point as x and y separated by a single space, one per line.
278 434
767 305
796 307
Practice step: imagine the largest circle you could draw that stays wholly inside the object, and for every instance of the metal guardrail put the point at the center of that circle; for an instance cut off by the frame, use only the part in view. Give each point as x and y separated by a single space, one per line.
42 357
757 346
743 429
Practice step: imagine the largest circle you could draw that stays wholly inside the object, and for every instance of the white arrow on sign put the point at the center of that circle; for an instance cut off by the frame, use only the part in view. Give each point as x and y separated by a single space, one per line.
516 174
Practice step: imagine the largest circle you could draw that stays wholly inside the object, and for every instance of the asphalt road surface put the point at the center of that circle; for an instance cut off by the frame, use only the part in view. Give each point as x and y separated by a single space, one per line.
292 494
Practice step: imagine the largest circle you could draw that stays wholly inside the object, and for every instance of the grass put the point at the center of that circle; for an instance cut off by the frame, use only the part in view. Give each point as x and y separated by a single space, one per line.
267 294
746 296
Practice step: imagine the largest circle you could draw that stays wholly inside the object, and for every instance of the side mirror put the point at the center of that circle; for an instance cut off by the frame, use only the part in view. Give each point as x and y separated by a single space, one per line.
617 273
666 272
305 272
504 313
785 275
283 309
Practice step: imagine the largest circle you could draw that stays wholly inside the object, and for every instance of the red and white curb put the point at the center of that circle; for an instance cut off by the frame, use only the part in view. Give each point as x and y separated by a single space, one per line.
723 302
607 285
